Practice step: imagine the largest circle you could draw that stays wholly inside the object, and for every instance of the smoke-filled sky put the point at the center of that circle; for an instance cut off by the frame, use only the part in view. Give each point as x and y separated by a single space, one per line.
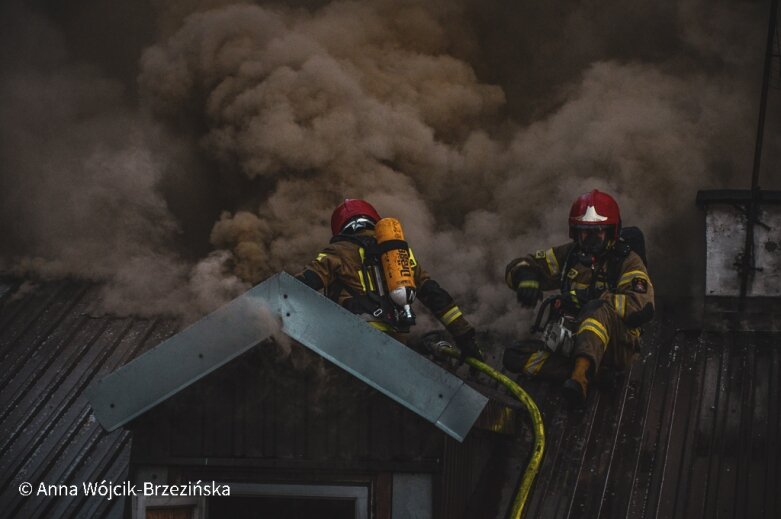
180 151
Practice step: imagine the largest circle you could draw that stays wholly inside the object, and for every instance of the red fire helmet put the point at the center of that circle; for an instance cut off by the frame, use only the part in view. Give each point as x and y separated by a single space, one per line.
349 209
595 209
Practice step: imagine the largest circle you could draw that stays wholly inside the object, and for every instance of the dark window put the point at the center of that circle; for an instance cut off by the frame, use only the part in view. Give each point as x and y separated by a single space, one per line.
242 507
178 512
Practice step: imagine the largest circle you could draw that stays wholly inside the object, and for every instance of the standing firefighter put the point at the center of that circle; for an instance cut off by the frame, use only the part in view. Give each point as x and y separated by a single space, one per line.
370 270
605 288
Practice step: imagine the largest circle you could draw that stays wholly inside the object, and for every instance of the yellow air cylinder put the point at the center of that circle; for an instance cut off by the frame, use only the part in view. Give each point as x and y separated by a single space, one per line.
396 261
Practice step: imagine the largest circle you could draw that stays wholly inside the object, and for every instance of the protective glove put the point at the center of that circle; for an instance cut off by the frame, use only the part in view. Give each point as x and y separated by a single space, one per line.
310 279
527 286
468 346
576 298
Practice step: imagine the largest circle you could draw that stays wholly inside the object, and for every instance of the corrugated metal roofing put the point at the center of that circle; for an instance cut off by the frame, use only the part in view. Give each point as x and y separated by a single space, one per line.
51 348
692 431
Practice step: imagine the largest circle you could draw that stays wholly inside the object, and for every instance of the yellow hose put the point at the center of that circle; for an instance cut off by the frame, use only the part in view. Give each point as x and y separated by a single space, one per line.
533 467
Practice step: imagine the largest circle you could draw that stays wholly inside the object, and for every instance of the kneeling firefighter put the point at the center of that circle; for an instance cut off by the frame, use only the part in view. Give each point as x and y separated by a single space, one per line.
606 296
369 269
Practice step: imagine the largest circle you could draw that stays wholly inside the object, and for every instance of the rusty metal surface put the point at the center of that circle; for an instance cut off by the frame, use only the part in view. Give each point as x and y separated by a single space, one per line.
725 233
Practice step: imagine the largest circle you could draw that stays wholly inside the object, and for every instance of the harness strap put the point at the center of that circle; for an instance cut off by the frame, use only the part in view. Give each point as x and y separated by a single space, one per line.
613 262
392 244
370 302
369 243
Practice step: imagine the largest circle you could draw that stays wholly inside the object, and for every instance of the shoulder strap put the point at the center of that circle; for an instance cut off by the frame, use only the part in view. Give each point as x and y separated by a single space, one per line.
369 301
369 243
620 251
614 261
568 264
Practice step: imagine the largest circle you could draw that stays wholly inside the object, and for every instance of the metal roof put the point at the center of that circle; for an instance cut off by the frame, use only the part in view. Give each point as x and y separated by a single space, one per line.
51 349
308 318
692 432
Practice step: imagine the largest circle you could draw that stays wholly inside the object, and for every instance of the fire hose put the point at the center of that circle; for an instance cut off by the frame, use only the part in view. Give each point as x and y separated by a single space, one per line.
519 503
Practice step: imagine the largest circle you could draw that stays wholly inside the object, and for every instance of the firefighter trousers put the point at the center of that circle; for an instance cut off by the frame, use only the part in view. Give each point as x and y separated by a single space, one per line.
602 337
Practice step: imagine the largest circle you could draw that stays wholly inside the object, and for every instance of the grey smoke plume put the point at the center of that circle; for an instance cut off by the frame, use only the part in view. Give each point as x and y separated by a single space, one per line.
475 124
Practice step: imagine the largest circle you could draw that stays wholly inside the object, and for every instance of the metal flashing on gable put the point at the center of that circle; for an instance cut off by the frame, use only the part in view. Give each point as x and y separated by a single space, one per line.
185 358
307 317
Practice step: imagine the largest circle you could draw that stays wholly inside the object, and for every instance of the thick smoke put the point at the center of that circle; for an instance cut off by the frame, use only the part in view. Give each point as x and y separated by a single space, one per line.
476 125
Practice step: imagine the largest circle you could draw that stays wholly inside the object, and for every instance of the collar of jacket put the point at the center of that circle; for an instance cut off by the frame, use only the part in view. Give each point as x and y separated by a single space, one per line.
358 237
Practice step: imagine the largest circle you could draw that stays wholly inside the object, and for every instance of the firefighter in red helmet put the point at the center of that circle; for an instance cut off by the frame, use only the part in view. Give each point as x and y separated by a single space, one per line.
604 285
347 272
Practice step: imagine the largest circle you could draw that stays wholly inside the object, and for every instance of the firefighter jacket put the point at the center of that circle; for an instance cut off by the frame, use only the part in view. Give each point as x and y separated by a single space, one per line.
338 270
619 278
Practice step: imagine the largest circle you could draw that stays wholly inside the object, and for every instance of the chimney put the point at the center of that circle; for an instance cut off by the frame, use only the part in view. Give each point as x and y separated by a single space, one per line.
742 291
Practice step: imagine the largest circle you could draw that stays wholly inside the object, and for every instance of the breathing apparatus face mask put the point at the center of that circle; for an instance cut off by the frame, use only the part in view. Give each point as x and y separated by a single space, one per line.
592 240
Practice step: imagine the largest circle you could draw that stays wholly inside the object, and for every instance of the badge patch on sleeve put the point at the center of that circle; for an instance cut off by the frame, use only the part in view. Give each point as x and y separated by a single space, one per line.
640 285
540 254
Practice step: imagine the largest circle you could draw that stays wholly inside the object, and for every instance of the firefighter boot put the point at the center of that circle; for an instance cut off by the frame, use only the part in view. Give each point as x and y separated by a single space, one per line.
576 387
